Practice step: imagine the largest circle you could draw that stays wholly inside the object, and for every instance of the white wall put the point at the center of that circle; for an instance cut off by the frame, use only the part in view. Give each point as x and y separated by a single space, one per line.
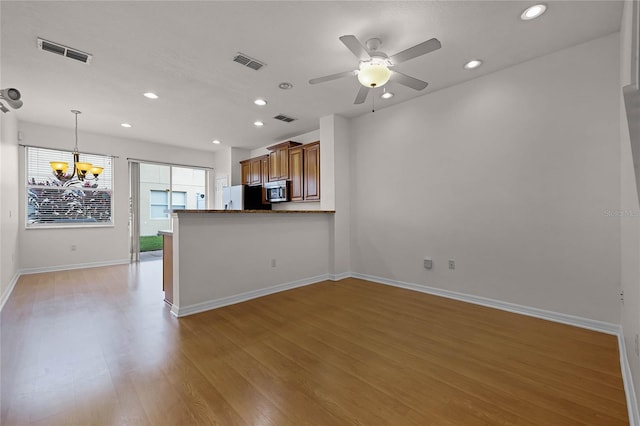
304 138
51 248
9 242
629 206
509 174
223 255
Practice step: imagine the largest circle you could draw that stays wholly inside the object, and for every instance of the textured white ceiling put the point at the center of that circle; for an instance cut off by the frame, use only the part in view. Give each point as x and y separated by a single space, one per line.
183 50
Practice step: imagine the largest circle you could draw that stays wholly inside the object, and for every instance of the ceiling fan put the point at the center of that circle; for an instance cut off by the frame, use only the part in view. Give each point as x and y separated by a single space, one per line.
374 65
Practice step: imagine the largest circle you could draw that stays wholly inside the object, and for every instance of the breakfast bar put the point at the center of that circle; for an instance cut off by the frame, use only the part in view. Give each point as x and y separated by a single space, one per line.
220 257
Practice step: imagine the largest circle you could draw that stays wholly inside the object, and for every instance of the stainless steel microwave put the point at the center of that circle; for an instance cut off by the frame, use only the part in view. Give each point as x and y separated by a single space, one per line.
278 191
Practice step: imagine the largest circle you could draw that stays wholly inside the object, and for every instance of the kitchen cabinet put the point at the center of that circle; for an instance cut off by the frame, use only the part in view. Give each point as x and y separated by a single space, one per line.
311 171
246 171
167 266
295 172
279 160
265 176
290 161
252 170
304 171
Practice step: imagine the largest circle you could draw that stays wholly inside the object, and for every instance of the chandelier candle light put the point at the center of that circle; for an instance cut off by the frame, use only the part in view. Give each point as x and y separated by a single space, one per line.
79 168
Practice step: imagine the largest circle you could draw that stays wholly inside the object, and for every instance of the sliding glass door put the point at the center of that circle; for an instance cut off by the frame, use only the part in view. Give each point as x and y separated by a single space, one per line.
161 189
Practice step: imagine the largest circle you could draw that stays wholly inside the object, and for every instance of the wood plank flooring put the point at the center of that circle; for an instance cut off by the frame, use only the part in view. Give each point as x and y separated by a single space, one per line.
99 346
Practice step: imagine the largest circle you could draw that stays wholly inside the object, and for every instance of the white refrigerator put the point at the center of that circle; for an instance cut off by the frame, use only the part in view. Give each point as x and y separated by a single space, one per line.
233 197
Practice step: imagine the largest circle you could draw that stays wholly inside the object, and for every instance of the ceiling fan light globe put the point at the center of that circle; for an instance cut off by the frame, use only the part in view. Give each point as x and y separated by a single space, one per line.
373 74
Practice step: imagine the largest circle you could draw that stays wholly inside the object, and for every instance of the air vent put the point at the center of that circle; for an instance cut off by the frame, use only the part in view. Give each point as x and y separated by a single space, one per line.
60 49
284 118
248 62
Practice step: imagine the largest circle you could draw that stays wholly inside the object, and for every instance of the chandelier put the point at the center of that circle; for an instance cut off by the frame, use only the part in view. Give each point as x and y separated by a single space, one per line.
80 169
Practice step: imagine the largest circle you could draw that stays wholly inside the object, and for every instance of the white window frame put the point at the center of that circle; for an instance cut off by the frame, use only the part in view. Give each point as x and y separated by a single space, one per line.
168 199
152 204
39 179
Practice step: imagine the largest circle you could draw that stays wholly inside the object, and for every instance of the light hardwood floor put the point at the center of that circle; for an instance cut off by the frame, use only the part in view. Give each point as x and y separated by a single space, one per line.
99 346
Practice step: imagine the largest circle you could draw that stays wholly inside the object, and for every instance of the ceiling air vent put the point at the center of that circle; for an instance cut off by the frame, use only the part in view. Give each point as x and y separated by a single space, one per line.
284 118
248 62
60 49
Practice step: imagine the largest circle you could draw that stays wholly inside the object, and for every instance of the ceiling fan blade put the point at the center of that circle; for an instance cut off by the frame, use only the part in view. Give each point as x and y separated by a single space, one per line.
354 45
362 95
332 77
408 81
415 51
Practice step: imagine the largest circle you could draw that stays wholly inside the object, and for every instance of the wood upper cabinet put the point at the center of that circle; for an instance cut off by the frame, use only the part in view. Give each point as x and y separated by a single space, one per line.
311 171
265 176
274 169
279 160
246 171
291 161
254 170
296 160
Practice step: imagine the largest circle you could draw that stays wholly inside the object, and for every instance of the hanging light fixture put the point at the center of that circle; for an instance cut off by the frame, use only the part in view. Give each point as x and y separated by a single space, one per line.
80 169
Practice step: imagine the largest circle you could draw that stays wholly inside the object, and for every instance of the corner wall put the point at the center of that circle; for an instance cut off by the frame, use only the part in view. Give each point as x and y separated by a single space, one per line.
629 205
9 242
511 175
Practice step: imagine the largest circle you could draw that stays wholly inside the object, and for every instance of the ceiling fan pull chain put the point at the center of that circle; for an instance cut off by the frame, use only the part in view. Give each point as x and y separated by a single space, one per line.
373 102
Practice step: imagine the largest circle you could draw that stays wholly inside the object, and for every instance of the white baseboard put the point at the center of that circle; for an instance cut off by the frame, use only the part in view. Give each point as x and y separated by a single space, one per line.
601 326
627 379
9 290
74 266
242 297
604 327
338 277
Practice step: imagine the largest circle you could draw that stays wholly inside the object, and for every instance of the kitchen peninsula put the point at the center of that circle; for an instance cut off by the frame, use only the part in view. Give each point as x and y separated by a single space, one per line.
221 257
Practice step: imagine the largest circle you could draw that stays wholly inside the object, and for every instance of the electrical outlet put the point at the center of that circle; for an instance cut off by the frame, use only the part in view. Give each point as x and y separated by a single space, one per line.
637 347
622 296
428 263
74 247
452 264
273 263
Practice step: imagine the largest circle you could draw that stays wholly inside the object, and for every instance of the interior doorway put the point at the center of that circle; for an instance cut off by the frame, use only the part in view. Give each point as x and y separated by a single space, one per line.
157 191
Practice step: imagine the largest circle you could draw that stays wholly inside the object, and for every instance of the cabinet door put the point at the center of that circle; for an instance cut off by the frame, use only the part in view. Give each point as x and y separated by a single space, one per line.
311 173
283 163
246 172
274 173
265 177
256 172
295 172
264 166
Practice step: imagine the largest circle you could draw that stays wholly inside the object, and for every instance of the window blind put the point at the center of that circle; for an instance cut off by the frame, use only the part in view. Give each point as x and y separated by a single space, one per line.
51 202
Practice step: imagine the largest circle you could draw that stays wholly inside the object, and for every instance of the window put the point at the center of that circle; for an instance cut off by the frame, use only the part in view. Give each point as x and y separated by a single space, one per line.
52 203
179 201
160 203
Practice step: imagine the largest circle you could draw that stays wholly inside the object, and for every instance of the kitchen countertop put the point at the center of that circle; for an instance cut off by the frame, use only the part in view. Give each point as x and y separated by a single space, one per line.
165 232
255 211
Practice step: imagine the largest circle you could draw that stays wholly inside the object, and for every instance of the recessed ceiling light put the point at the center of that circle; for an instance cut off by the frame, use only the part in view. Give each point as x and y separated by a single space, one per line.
386 95
260 102
285 85
474 63
533 12
215 141
150 95
127 125
258 123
